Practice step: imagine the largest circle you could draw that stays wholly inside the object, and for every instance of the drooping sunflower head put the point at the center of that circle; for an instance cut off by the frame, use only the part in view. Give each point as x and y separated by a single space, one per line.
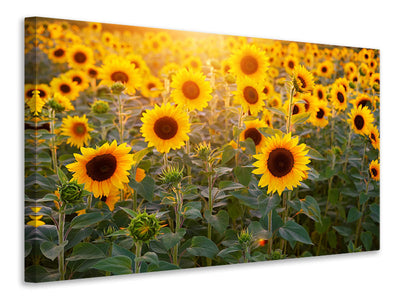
191 90
374 137
302 79
250 95
80 56
165 127
282 163
361 120
60 103
77 129
339 97
374 170
120 70
249 61
101 168
252 131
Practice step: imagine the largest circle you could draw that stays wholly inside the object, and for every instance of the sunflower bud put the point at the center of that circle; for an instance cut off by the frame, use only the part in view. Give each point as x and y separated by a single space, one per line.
171 176
277 254
376 87
71 192
100 107
144 227
117 88
337 151
229 78
352 84
56 106
245 238
203 150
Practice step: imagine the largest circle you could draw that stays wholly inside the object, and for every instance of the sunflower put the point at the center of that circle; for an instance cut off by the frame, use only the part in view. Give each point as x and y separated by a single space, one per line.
375 81
250 95
120 70
374 137
290 63
139 63
193 63
77 129
151 87
361 119
101 168
303 80
320 92
308 101
282 163
297 107
80 77
58 54
80 56
362 100
339 97
268 89
275 101
111 198
343 82
92 71
65 86
320 114
165 127
249 61
325 69
191 90
252 132
63 101
225 66
374 170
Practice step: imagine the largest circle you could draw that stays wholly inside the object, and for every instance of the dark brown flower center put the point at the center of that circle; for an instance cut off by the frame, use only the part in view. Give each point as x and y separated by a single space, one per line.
374 172
151 85
266 90
249 65
92 73
303 82
291 64
77 79
280 162
59 52
165 128
119 76
373 137
359 122
250 94
29 93
340 97
80 57
79 129
101 167
65 88
363 102
254 134
324 69
190 90
320 95
296 109
320 113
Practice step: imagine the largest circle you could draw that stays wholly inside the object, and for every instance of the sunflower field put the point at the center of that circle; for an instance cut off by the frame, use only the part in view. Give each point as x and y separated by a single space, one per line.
150 149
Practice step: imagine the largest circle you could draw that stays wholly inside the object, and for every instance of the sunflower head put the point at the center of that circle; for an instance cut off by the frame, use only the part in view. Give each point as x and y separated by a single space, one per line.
144 227
361 119
250 95
171 175
77 129
165 127
302 79
100 107
245 237
282 163
374 170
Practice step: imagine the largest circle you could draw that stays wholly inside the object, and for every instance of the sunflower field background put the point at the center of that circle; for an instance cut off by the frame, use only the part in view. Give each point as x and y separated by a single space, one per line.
150 149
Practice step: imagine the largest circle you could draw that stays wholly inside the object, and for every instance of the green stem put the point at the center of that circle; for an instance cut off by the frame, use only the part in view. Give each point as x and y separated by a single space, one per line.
362 213
289 121
121 123
270 232
138 254
53 148
210 205
178 209
61 223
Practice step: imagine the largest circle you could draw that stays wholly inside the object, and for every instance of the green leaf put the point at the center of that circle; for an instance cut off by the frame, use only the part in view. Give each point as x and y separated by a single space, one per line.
363 198
314 154
85 251
220 221
333 195
324 226
229 185
311 208
87 219
138 156
117 265
353 215
61 176
366 239
202 246
227 154
52 250
117 250
149 257
191 210
343 230
331 236
374 208
246 198
130 212
28 248
145 188
293 232
279 111
170 239
243 174
300 118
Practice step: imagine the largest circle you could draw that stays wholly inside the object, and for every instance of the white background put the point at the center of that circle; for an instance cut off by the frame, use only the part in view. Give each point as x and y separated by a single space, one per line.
370 24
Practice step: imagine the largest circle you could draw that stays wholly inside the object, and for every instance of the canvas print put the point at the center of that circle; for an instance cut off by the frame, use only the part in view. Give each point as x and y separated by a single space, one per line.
149 149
